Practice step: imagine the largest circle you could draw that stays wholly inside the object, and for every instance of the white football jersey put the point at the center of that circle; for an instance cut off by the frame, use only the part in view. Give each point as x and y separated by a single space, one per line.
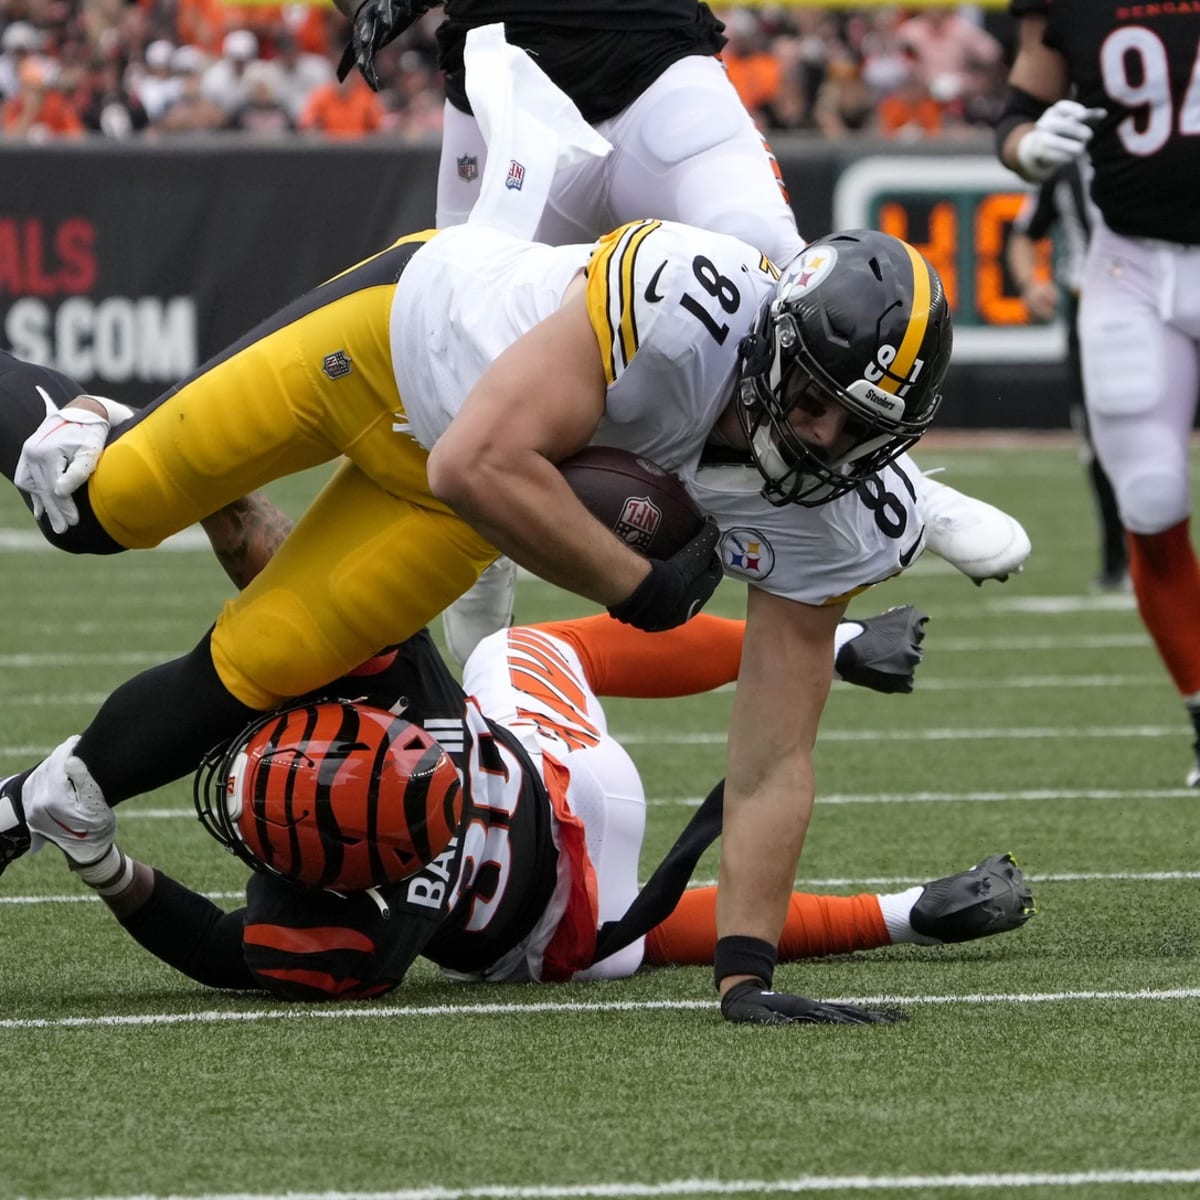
670 304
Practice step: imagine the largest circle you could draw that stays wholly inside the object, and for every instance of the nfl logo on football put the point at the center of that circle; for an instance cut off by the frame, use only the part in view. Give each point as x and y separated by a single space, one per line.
638 522
516 176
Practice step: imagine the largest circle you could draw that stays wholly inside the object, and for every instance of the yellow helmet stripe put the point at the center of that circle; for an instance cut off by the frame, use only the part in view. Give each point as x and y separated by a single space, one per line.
610 295
918 321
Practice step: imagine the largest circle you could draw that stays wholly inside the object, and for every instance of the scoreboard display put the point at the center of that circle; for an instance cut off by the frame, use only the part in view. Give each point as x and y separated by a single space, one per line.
957 211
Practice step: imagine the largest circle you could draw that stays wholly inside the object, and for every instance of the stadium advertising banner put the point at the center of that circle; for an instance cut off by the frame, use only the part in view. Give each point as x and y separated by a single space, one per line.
127 266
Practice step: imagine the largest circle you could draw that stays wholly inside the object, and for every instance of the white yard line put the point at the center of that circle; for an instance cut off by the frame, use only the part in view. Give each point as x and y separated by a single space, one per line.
803 1185
947 734
859 883
340 1013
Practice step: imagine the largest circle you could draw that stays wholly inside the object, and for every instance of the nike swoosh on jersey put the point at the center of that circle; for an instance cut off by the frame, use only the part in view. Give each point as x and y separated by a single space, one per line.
651 295
906 556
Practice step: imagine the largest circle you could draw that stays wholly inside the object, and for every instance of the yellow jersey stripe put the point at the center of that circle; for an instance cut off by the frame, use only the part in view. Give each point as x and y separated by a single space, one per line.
898 373
610 296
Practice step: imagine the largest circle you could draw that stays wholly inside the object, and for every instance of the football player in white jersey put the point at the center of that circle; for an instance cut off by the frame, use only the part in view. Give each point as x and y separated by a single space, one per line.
451 372
644 75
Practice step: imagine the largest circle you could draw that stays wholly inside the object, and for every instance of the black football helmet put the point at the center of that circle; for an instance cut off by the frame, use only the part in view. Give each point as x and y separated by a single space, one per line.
859 320
332 795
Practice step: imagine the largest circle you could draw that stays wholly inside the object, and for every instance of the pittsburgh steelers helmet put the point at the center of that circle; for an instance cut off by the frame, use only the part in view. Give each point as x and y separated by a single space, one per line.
859 320
332 795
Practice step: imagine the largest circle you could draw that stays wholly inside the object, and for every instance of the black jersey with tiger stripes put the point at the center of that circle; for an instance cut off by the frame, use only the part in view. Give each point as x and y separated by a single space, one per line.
483 894
602 53
1141 63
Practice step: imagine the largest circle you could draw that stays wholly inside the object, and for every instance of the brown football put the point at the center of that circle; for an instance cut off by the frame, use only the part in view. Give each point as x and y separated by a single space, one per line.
643 504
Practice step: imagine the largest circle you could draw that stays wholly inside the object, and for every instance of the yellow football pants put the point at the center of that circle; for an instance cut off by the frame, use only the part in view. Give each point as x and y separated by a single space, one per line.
375 557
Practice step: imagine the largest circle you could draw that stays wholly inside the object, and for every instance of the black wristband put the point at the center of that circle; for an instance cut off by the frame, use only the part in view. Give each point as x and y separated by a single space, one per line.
1020 108
740 955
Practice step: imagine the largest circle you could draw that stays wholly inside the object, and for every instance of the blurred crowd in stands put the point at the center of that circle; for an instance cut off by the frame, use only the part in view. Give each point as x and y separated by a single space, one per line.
166 68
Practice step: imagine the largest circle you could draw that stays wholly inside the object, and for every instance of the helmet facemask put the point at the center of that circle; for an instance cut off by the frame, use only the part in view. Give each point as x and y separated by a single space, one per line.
780 374
331 794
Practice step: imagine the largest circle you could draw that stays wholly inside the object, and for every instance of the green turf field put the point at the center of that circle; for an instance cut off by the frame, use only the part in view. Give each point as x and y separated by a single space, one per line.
1059 1061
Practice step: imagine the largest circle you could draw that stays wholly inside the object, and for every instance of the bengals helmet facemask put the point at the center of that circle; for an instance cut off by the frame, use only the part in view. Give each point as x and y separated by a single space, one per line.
859 320
332 795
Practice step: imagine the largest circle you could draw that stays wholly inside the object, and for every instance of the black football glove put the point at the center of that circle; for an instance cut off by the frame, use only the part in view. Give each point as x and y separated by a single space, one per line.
678 587
886 654
377 22
747 1004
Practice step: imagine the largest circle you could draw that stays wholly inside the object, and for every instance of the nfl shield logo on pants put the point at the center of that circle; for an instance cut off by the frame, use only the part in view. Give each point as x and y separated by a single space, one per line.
468 168
337 364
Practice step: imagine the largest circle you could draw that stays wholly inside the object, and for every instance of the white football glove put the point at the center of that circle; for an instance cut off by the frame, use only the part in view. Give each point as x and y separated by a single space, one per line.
60 455
1060 135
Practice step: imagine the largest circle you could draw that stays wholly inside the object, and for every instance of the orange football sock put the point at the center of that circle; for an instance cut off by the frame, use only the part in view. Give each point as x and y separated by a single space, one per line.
816 925
1166 580
619 660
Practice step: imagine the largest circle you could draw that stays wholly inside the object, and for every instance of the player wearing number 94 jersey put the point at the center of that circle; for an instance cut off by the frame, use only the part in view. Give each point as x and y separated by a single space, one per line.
1121 82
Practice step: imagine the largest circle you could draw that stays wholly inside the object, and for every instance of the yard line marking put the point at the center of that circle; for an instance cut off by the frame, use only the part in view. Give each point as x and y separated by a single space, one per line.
25 541
801 1185
947 734
1037 794
133 812
132 658
302 1013
1112 641
1097 641
91 898
924 684
1019 682
848 881
1038 733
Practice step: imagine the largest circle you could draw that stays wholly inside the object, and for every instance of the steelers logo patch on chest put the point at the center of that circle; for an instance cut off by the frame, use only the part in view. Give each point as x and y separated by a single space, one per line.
747 553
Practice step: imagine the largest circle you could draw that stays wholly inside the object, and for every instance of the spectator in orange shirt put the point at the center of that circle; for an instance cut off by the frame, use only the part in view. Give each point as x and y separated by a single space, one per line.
343 110
910 113
756 74
39 111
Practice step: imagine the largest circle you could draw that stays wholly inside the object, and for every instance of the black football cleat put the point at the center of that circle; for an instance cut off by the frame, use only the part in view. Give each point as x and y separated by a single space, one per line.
992 897
885 656
14 833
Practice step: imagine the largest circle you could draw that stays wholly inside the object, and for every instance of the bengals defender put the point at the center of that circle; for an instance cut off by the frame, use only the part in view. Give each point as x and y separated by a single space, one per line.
545 854
1133 71
451 372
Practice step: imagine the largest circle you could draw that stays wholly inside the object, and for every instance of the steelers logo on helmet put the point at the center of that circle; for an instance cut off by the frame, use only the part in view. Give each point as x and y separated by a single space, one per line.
860 323
332 795
811 266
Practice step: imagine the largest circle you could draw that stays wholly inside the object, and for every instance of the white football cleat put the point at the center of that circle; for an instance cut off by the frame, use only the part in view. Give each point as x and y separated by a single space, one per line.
64 805
483 610
982 541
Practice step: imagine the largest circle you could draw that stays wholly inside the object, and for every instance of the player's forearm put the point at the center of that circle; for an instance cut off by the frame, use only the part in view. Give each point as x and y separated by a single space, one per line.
765 821
245 534
524 507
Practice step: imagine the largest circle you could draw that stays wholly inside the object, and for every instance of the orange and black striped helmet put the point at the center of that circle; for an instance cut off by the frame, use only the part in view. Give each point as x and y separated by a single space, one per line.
332 795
